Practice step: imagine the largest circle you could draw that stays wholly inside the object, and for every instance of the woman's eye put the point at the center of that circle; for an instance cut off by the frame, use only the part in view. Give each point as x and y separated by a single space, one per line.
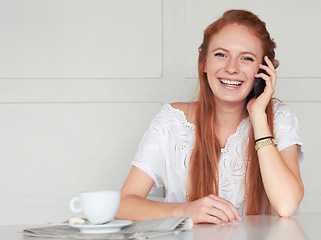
219 55
248 59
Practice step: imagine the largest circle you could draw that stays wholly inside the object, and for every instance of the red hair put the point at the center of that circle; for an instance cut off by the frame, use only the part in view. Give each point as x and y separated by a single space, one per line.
203 174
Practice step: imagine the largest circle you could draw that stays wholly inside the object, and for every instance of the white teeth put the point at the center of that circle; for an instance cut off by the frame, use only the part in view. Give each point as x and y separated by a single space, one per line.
231 82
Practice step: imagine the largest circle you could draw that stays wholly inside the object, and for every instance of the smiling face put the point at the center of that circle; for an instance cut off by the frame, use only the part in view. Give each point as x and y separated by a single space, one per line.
231 63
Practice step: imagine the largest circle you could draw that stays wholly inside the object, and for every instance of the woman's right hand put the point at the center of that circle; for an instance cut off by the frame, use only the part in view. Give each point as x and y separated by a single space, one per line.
211 209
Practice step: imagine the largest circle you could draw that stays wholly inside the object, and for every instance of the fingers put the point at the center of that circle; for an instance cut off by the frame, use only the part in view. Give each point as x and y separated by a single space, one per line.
269 69
269 65
211 209
226 209
217 208
211 219
270 83
270 79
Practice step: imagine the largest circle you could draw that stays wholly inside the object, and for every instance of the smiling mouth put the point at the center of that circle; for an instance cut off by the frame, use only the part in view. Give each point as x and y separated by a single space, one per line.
231 83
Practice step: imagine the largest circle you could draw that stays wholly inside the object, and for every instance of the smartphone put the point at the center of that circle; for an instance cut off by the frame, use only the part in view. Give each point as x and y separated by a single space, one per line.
259 83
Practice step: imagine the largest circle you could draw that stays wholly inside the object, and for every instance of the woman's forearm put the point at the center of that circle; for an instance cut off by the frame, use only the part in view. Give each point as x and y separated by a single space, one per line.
209 209
283 188
280 174
138 209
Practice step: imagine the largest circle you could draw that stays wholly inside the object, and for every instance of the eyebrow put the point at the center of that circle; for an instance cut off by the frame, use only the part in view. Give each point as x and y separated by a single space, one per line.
245 52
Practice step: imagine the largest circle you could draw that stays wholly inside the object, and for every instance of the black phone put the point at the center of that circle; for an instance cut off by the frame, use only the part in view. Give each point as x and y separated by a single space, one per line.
259 83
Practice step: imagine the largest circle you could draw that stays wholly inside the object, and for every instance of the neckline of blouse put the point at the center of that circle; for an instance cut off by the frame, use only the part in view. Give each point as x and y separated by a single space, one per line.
182 116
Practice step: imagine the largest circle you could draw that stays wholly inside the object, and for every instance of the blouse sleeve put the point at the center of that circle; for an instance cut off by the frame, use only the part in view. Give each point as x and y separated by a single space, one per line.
150 155
287 131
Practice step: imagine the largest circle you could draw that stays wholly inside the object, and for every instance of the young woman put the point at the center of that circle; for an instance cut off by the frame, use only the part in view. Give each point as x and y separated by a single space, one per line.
226 154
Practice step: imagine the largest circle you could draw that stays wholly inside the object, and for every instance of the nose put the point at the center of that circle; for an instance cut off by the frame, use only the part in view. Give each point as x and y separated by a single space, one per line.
232 66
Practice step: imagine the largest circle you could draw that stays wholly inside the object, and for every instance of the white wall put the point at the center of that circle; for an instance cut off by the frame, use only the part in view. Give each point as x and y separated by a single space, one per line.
80 80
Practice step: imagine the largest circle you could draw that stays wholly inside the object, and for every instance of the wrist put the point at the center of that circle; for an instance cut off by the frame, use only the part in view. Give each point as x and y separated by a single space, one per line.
261 127
263 142
179 211
258 117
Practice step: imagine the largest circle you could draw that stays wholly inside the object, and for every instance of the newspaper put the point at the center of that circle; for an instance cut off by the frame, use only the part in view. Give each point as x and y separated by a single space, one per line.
137 230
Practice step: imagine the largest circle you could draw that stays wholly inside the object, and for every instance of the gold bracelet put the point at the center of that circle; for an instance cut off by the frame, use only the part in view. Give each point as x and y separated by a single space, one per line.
261 144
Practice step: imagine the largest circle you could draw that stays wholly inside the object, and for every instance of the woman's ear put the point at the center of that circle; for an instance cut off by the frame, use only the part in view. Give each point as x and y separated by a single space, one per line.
205 67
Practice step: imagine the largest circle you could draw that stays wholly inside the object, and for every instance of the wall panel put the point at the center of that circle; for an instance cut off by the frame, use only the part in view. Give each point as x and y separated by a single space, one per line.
80 39
50 152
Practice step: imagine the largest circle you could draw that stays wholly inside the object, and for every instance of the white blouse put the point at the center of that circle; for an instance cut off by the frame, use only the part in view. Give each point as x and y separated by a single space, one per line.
166 147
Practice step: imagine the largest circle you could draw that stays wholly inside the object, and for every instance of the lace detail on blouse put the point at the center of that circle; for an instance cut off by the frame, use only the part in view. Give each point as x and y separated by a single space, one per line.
166 147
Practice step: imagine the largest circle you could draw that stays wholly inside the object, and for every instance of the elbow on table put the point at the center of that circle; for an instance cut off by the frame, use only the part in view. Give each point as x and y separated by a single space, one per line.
288 209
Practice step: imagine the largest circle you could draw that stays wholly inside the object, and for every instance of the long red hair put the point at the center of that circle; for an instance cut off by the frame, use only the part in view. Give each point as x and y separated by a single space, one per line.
203 174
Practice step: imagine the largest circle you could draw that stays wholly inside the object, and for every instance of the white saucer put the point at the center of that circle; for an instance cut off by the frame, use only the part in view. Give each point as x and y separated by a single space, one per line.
110 227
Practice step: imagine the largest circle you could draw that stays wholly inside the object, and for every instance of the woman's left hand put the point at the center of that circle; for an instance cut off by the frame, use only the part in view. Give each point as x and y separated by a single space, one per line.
258 105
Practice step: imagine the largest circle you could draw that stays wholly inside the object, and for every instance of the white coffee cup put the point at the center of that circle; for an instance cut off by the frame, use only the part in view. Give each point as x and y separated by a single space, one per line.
98 207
